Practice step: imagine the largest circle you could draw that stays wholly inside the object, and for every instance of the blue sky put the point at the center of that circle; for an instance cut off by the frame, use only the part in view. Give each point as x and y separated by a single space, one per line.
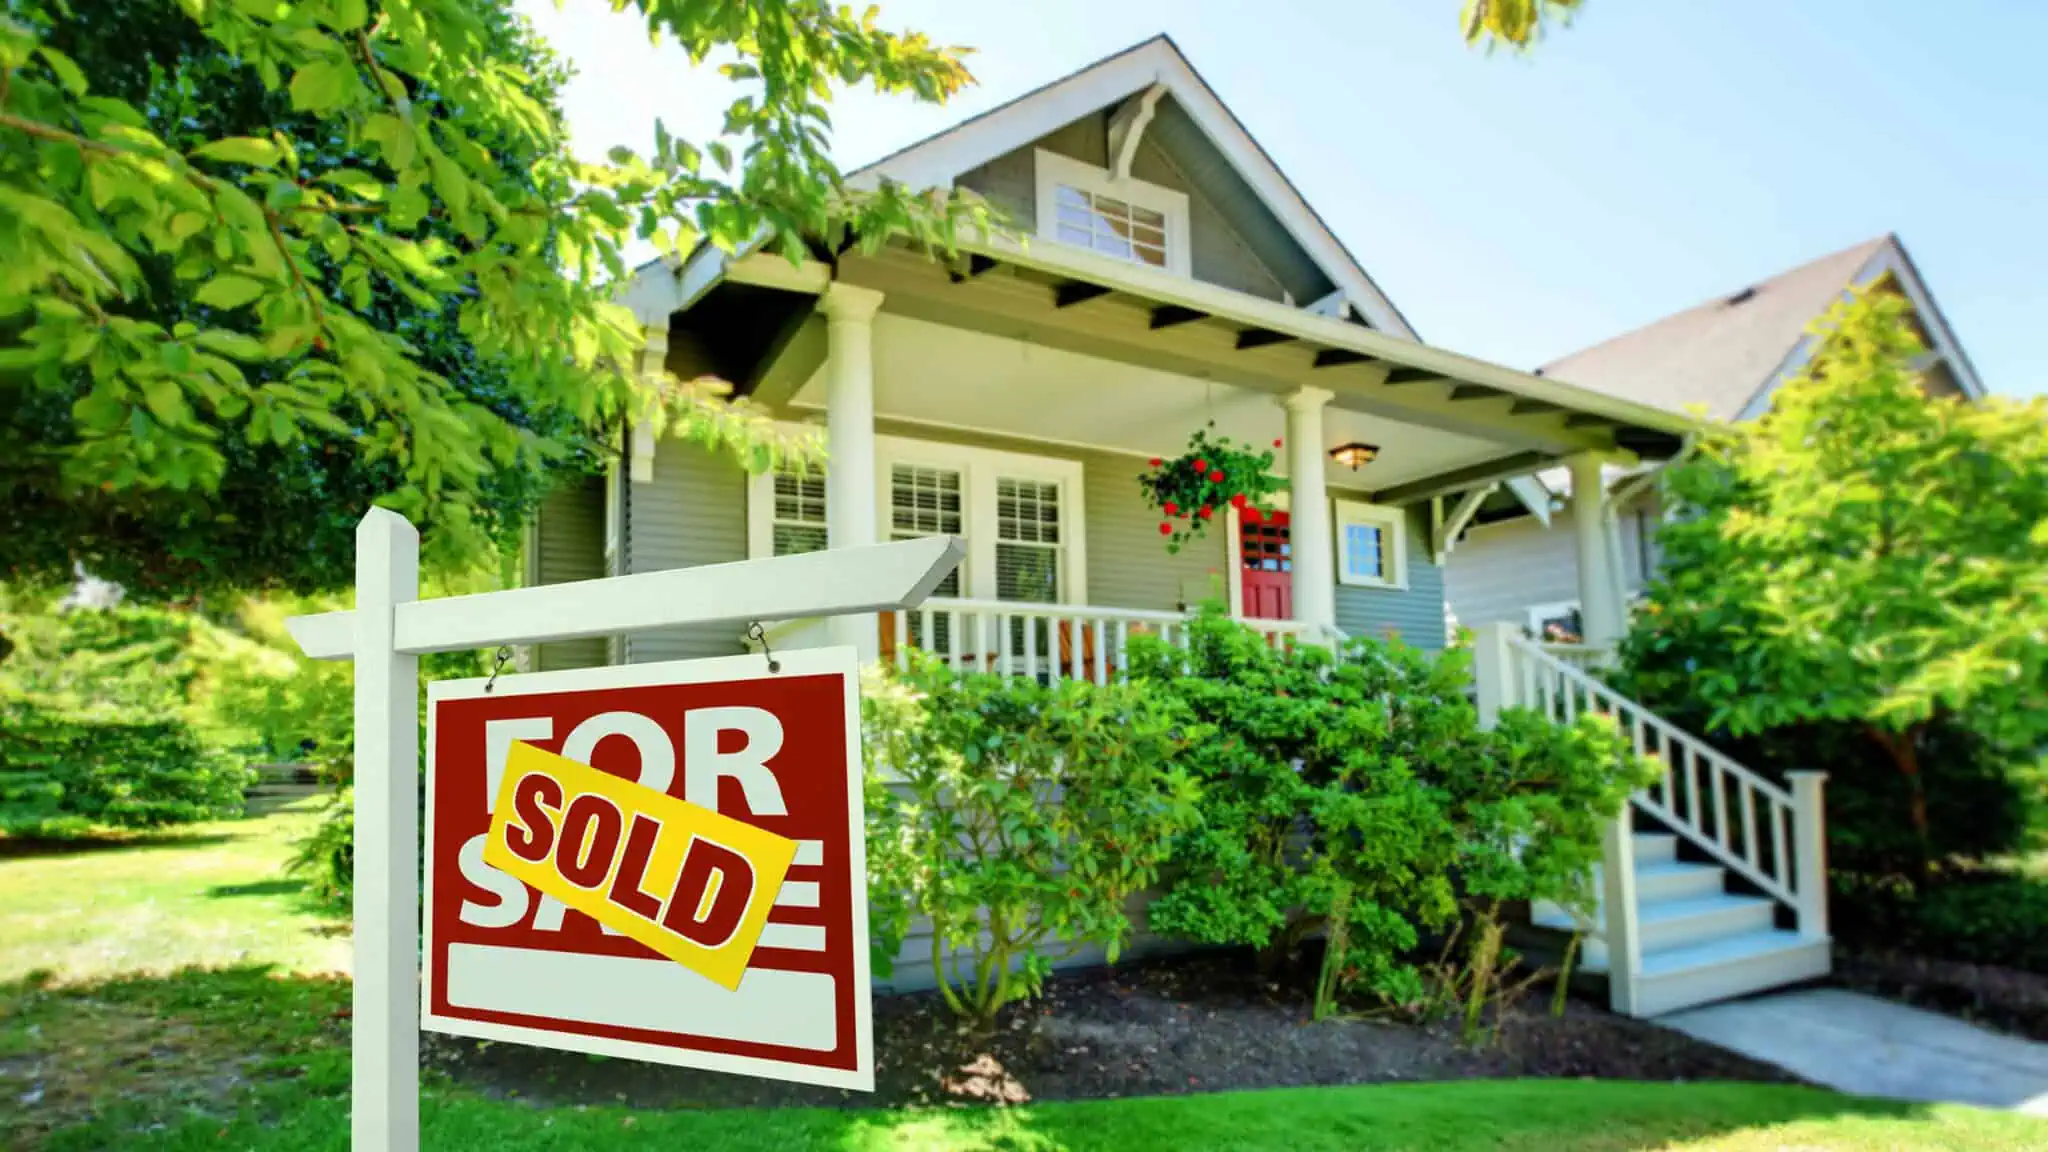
1650 156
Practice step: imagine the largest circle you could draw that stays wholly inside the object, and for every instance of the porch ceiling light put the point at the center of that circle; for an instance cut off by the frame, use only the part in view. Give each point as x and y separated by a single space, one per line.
1354 455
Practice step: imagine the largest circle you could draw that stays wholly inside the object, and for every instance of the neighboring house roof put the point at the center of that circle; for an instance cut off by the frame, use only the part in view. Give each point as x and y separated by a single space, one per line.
1718 354
941 158
1724 354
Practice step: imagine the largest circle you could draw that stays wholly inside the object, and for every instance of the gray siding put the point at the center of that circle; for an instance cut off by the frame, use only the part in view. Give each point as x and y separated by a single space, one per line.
569 545
1415 614
1499 571
693 512
1218 253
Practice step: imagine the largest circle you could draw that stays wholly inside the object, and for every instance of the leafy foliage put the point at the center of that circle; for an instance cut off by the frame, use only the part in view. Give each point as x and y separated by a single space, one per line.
1515 23
1215 471
1355 793
1017 818
284 232
106 726
1863 556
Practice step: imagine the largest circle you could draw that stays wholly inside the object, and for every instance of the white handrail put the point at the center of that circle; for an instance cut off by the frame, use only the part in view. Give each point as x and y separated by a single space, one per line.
1735 815
1067 641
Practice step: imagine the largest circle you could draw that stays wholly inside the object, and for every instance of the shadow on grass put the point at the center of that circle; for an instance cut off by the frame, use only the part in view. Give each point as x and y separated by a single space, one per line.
138 1050
281 887
28 847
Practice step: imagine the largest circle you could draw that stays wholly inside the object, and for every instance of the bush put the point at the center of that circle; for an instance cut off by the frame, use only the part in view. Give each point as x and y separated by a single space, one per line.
107 722
1978 917
1354 793
1017 818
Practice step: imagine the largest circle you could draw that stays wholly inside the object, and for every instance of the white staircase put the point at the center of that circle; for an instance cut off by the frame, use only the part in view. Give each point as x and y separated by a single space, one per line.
1699 941
1731 900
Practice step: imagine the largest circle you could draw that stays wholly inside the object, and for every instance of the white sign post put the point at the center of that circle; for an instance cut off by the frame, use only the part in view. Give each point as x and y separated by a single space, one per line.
391 627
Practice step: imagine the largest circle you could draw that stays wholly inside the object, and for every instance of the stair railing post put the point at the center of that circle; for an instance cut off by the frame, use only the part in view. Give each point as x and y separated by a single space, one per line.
1618 910
1810 852
1493 657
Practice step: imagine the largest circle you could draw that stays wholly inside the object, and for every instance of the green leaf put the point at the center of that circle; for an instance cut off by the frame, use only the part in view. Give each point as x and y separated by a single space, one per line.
323 85
68 74
348 15
241 150
395 137
229 291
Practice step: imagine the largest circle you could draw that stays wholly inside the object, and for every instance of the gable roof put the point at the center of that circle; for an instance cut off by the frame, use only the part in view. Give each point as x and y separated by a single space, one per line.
942 158
1725 355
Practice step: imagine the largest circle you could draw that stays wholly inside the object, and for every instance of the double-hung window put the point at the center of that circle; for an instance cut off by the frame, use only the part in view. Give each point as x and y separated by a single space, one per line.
929 501
796 516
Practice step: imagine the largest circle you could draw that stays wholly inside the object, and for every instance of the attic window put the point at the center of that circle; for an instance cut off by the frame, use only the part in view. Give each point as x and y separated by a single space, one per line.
1082 205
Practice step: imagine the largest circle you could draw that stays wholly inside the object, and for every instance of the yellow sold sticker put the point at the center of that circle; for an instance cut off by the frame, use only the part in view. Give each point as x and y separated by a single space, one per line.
687 882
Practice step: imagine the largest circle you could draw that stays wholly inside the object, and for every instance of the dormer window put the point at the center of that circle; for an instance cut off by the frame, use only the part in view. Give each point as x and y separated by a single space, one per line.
1129 219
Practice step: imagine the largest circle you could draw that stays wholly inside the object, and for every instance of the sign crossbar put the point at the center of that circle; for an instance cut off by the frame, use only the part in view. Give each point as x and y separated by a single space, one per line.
835 582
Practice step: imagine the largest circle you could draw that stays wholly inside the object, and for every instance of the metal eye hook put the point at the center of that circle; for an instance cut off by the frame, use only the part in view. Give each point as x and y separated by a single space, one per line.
760 636
498 665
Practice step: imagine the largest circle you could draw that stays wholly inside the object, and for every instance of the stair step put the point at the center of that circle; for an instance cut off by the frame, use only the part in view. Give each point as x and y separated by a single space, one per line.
1722 969
1667 926
1669 880
1655 848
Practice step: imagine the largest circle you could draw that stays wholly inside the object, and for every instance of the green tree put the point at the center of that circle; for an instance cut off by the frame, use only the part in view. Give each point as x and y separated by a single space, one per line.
190 300
1861 555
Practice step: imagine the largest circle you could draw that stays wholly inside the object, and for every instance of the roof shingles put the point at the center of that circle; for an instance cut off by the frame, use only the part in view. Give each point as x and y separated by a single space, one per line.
1720 354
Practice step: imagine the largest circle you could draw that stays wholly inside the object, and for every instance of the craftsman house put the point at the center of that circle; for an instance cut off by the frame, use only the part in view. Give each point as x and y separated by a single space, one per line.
1168 276
1725 358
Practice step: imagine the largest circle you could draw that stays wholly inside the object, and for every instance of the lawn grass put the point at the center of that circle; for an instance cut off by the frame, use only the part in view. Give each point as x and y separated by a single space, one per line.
178 994
1499 1116
212 895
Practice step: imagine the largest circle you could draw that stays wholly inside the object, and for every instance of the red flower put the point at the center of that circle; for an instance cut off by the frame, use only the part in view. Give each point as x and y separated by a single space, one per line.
1206 512
1172 509
1216 477
1276 442
1166 529
1253 515
1155 461
1201 465
1237 500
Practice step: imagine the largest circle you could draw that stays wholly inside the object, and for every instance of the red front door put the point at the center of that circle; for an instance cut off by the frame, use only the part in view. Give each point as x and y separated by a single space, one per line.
1265 566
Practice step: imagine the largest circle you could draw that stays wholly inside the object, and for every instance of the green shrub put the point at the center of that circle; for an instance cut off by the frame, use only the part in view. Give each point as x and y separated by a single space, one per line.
1354 793
1976 917
1017 818
107 724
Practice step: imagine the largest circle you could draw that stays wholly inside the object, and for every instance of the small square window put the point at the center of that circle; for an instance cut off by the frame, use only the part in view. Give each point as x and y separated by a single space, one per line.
1371 546
1127 219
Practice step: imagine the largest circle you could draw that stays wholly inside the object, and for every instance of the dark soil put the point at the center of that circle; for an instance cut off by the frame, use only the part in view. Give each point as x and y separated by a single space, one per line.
2008 999
1189 1024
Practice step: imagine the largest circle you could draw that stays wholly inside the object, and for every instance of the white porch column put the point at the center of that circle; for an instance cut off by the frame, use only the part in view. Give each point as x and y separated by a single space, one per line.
1599 600
850 514
653 361
1315 570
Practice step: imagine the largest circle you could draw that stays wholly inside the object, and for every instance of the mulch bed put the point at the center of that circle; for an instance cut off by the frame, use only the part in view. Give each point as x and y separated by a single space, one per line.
2007 999
1168 1027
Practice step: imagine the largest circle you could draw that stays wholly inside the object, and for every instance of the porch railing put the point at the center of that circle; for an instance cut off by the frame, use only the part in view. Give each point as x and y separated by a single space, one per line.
1065 641
1584 657
1771 835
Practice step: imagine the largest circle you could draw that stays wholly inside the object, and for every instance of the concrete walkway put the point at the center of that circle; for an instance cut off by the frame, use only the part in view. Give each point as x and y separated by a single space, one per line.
1871 1047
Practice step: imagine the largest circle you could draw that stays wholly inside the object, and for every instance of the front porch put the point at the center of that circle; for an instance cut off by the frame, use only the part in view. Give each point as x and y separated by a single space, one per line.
950 394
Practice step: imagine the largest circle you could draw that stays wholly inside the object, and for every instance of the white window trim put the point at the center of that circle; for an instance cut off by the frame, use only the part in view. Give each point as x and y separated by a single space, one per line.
1394 521
1538 613
980 468
1054 170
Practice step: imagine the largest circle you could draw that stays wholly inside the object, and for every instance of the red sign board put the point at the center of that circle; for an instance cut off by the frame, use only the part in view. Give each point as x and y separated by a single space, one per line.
779 750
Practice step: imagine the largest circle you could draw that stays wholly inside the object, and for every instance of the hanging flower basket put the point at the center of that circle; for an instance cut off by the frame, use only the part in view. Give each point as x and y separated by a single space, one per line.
1214 473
